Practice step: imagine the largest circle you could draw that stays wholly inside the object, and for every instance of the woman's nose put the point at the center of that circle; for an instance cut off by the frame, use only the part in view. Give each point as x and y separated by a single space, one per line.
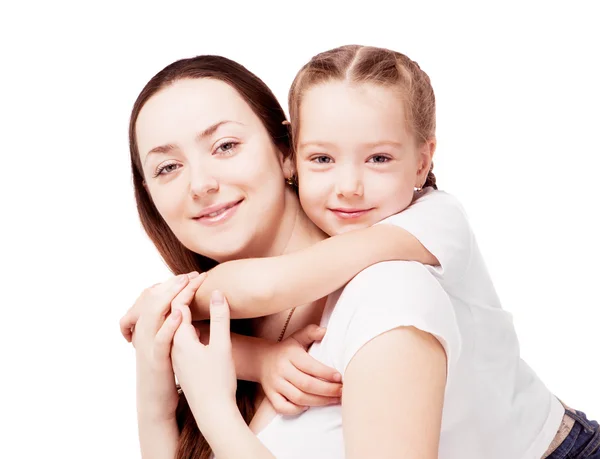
202 183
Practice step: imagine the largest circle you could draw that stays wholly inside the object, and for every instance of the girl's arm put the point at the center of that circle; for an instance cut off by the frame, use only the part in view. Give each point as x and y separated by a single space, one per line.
247 352
258 287
398 413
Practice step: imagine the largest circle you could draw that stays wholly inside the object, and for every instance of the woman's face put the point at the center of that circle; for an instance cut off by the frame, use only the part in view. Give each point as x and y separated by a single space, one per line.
211 169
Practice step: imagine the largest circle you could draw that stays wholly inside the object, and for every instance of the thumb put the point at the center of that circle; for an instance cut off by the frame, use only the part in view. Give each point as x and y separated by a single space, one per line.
220 335
307 335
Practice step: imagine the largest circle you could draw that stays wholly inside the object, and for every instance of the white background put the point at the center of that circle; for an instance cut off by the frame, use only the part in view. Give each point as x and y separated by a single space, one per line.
518 123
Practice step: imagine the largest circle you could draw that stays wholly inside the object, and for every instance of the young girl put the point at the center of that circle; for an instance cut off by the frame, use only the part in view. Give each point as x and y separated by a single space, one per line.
363 126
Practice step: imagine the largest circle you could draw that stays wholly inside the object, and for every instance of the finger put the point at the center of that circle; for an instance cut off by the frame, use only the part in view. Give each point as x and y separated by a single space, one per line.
202 330
309 334
167 291
185 297
297 397
311 366
185 335
128 321
164 337
311 385
220 334
283 406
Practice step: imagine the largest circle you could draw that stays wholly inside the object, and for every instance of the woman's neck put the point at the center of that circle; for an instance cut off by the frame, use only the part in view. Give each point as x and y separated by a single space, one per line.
296 231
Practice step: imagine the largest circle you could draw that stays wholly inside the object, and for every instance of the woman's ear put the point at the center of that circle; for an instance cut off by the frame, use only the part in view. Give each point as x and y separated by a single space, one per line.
288 167
425 160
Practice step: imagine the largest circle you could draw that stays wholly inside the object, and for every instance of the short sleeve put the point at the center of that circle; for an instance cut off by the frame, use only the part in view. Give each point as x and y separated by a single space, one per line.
390 295
439 222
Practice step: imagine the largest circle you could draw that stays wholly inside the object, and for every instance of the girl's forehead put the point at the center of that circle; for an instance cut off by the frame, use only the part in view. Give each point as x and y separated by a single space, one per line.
366 111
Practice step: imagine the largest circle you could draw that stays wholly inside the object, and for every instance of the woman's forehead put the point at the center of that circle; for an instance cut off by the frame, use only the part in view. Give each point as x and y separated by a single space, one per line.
189 107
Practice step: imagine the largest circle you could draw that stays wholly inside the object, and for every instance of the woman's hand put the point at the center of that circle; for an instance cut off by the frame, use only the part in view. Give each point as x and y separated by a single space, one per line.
206 373
157 396
293 380
207 376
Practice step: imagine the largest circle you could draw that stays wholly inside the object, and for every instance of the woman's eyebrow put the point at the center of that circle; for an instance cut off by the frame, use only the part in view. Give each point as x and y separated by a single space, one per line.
210 130
213 128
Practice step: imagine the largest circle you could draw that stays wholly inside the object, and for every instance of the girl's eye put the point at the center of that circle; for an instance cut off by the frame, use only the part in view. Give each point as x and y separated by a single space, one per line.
226 148
166 169
379 159
322 159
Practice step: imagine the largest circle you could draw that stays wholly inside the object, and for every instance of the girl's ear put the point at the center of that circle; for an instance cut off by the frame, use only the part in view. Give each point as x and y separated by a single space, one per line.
426 152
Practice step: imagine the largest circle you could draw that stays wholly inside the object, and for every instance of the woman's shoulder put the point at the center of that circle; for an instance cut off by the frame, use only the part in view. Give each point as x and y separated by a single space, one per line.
395 284
388 295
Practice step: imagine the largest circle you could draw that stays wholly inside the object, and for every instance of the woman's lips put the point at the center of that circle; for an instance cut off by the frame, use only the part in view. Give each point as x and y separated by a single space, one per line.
349 214
219 216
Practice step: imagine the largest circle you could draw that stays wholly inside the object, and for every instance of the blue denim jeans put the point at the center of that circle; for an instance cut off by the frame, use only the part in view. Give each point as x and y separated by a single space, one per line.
583 442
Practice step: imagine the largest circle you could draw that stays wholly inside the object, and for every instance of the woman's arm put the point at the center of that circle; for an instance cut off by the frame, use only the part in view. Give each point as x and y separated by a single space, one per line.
398 413
226 423
258 287
158 439
207 377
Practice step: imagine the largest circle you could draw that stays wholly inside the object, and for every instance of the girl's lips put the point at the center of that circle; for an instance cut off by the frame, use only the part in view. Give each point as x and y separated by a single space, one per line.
348 214
220 216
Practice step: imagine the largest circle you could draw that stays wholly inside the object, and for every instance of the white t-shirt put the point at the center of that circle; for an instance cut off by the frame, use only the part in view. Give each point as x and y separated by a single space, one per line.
495 406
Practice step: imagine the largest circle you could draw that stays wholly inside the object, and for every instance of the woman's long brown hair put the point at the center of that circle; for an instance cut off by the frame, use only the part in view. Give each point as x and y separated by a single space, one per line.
180 260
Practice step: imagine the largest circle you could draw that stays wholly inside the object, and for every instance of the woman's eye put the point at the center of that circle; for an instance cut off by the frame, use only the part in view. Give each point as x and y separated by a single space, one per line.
166 169
379 159
322 159
226 148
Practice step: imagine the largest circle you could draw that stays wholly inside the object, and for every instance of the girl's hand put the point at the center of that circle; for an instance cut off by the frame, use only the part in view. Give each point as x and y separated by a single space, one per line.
293 380
157 396
206 373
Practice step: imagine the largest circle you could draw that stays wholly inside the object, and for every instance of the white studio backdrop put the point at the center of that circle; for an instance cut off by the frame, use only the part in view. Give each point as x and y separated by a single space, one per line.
518 121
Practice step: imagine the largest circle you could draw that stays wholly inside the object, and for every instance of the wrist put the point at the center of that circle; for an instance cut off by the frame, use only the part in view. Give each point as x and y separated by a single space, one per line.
261 358
216 415
158 412
249 355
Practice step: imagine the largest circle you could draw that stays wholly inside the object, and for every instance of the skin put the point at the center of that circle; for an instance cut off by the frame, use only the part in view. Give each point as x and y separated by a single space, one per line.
237 164
355 152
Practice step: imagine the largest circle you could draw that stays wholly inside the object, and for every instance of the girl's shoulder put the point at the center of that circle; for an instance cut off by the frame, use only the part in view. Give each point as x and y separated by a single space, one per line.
431 196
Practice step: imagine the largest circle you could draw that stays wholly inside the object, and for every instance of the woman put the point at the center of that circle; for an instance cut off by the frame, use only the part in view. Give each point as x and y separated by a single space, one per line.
207 194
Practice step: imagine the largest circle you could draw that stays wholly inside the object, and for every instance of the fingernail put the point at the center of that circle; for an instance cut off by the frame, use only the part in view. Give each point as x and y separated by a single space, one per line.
337 377
321 329
217 297
193 275
175 315
181 278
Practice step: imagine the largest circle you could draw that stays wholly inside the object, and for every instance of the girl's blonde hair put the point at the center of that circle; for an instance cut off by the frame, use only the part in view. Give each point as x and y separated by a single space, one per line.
367 64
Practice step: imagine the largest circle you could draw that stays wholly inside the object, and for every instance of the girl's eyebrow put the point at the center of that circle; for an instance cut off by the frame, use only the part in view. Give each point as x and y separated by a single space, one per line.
316 143
389 143
370 145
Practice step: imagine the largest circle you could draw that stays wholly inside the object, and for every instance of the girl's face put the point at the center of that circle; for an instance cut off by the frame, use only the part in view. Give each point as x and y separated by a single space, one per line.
357 162
211 169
